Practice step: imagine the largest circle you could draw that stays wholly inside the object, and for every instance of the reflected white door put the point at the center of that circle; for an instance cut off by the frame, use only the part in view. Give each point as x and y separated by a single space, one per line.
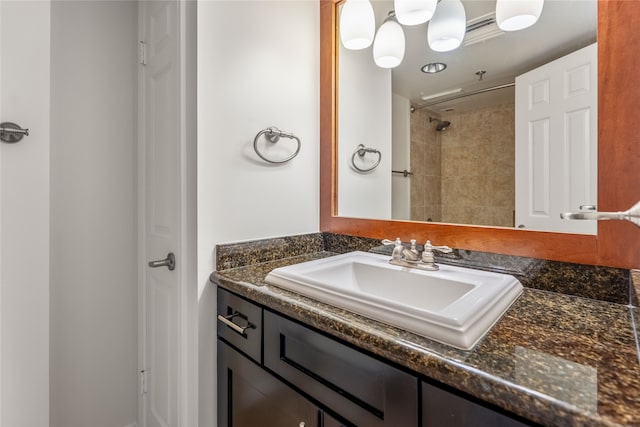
166 307
557 142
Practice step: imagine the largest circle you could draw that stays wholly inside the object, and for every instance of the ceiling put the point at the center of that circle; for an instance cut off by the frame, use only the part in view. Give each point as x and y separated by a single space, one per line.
564 26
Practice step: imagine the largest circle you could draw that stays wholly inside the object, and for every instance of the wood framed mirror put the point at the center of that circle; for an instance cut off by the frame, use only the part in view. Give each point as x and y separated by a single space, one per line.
617 243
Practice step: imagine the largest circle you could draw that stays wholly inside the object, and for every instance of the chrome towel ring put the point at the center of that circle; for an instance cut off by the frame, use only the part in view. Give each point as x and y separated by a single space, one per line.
273 135
361 150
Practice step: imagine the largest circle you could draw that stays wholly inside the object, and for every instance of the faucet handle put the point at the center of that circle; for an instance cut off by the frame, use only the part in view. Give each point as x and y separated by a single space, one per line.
427 255
398 248
443 249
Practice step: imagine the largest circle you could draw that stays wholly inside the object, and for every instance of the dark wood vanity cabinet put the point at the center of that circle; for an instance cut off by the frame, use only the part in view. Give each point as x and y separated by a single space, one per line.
275 372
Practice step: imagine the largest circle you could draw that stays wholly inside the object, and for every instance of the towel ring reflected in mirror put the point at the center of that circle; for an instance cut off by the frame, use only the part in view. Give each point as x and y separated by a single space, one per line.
361 150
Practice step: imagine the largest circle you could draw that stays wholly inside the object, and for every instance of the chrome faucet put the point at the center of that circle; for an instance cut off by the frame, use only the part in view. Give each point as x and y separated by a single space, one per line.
411 257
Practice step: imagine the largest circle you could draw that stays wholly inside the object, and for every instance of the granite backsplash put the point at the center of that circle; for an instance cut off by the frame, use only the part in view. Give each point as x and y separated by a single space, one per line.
594 282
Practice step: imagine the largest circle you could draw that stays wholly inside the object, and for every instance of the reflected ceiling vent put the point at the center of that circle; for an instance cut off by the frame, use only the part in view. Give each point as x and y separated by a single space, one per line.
481 29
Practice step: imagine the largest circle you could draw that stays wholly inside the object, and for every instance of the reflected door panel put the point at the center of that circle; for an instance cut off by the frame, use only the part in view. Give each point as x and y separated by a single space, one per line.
556 143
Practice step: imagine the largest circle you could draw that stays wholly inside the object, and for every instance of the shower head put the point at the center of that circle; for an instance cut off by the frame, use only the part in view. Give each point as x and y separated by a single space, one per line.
442 125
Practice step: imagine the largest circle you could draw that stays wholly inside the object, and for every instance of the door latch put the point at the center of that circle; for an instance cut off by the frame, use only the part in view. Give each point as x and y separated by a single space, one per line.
169 262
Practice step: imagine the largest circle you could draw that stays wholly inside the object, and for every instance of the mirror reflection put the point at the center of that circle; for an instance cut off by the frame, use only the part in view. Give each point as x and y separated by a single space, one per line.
502 134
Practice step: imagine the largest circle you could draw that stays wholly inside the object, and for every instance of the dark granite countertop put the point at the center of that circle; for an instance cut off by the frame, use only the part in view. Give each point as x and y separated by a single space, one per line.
555 359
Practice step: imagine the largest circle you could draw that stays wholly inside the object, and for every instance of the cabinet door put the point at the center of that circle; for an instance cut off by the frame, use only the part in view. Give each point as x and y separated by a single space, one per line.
364 391
250 397
442 408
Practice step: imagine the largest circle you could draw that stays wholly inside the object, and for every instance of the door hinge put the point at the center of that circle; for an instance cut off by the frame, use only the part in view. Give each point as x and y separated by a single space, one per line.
143 53
143 382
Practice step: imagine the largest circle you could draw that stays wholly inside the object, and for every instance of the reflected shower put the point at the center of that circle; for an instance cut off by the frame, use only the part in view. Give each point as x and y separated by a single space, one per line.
442 125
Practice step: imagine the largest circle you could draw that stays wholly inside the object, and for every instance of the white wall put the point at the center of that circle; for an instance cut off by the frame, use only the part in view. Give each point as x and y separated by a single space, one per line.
93 213
401 158
364 118
258 66
24 227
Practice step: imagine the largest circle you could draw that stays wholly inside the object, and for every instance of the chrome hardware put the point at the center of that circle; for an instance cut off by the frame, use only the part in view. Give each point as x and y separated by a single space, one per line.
273 135
411 254
398 250
404 172
11 132
228 320
631 215
361 150
428 258
169 262
404 257
587 207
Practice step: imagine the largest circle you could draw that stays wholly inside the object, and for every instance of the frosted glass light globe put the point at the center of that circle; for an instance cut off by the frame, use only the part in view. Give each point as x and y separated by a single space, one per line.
414 12
513 15
448 26
357 24
388 46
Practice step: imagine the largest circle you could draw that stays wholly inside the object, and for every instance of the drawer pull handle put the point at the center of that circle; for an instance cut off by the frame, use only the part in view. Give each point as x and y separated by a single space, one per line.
228 320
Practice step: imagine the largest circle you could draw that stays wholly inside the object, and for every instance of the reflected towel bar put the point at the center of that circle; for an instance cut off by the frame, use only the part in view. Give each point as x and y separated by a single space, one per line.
404 173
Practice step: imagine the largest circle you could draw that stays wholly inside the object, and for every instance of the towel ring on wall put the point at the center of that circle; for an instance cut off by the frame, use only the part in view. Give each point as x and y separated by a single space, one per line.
361 150
273 135
11 132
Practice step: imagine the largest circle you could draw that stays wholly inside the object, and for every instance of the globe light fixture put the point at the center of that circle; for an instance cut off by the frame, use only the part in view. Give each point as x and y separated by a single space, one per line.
388 46
414 12
447 27
513 15
357 24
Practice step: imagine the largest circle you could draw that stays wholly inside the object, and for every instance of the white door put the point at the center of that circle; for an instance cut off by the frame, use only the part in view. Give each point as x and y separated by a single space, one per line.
557 142
24 214
168 303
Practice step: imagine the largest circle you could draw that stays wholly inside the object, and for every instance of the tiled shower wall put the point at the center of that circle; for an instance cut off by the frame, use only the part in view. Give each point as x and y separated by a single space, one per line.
466 174
425 165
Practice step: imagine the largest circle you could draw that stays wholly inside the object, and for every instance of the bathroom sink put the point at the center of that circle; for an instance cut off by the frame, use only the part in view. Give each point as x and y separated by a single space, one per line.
454 305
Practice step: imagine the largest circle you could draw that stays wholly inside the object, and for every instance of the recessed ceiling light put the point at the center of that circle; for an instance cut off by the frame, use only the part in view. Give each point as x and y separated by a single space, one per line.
433 67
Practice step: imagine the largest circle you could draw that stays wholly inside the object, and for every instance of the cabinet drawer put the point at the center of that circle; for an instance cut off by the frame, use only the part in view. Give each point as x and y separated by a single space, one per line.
364 390
240 324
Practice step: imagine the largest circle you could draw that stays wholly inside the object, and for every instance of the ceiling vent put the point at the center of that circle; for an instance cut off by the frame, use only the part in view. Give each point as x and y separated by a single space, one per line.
481 29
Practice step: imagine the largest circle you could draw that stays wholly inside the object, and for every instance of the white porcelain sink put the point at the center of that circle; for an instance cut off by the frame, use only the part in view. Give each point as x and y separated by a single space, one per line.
454 305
